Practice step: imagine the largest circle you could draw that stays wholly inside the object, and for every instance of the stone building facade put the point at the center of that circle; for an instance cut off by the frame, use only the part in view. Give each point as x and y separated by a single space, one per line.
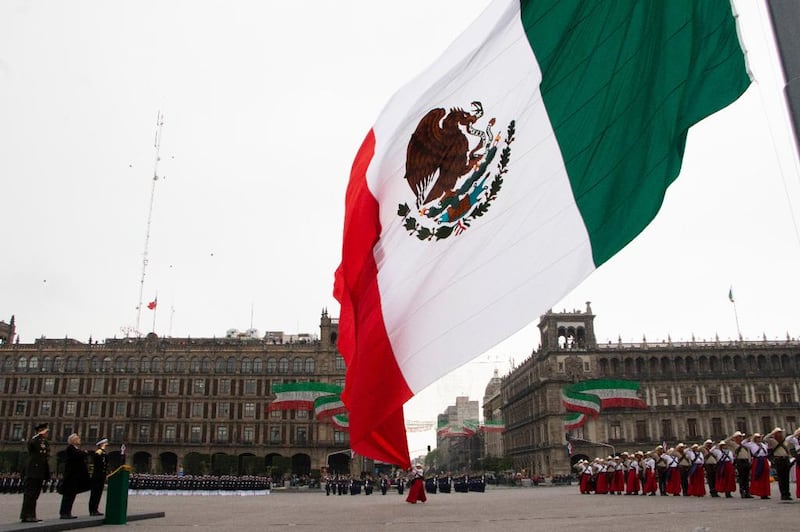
7 331
170 400
693 390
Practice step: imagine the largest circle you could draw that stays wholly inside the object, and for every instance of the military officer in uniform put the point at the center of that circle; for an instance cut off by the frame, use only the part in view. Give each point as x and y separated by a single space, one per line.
99 471
781 459
36 472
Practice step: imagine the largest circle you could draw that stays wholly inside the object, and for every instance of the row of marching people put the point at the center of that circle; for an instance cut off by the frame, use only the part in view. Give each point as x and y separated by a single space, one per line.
687 470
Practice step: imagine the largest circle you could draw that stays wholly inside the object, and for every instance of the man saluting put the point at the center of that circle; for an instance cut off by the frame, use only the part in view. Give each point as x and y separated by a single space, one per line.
36 472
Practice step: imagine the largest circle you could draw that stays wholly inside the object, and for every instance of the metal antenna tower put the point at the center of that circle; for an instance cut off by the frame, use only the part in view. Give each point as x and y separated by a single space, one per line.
157 145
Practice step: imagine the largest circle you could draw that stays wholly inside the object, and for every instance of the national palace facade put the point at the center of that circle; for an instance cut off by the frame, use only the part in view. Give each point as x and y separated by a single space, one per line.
176 402
693 391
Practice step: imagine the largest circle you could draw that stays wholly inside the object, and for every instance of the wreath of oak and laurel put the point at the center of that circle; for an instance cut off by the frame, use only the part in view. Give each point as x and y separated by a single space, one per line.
414 227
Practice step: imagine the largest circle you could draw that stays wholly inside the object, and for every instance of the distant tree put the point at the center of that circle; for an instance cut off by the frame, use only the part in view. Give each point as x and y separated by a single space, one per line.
433 460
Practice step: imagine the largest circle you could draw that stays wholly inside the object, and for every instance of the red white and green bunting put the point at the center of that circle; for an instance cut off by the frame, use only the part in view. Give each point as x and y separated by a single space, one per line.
463 429
588 398
574 420
328 405
301 395
325 399
493 426
340 421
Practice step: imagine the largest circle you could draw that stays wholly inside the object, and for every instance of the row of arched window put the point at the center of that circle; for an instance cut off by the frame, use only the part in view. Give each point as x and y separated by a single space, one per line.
169 364
689 365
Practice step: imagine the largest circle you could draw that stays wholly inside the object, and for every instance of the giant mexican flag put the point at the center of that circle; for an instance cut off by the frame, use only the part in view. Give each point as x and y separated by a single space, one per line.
538 145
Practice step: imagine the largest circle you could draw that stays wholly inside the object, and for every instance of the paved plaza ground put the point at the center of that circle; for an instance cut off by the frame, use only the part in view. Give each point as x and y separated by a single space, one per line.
498 509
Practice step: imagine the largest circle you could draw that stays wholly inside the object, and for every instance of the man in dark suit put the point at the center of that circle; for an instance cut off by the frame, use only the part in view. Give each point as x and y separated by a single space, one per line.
76 475
36 472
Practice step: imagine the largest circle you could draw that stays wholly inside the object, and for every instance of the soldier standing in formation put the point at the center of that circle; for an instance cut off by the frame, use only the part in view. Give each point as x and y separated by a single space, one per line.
99 472
36 472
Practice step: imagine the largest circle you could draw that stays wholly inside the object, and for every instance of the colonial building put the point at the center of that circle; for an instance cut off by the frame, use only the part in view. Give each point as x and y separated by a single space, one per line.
693 391
177 402
7 331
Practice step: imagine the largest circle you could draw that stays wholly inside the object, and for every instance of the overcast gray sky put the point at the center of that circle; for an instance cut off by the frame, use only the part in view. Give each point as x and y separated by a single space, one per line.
265 105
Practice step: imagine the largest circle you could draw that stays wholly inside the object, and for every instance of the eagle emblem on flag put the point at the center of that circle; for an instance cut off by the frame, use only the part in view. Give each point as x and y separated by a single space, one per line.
448 162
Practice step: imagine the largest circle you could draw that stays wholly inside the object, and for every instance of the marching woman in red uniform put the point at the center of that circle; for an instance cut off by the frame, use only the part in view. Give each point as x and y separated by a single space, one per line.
759 467
618 475
697 473
416 488
726 476
632 483
673 474
601 477
585 472
650 479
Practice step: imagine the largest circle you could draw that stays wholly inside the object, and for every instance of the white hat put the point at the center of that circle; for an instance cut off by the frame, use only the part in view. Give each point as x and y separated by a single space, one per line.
102 442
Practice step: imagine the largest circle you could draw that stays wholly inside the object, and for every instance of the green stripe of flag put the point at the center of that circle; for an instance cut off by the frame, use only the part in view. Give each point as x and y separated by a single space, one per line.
316 387
622 84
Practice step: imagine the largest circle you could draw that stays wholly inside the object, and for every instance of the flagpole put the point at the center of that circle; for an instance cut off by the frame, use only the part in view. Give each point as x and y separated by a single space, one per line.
785 15
155 310
157 145
735 313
